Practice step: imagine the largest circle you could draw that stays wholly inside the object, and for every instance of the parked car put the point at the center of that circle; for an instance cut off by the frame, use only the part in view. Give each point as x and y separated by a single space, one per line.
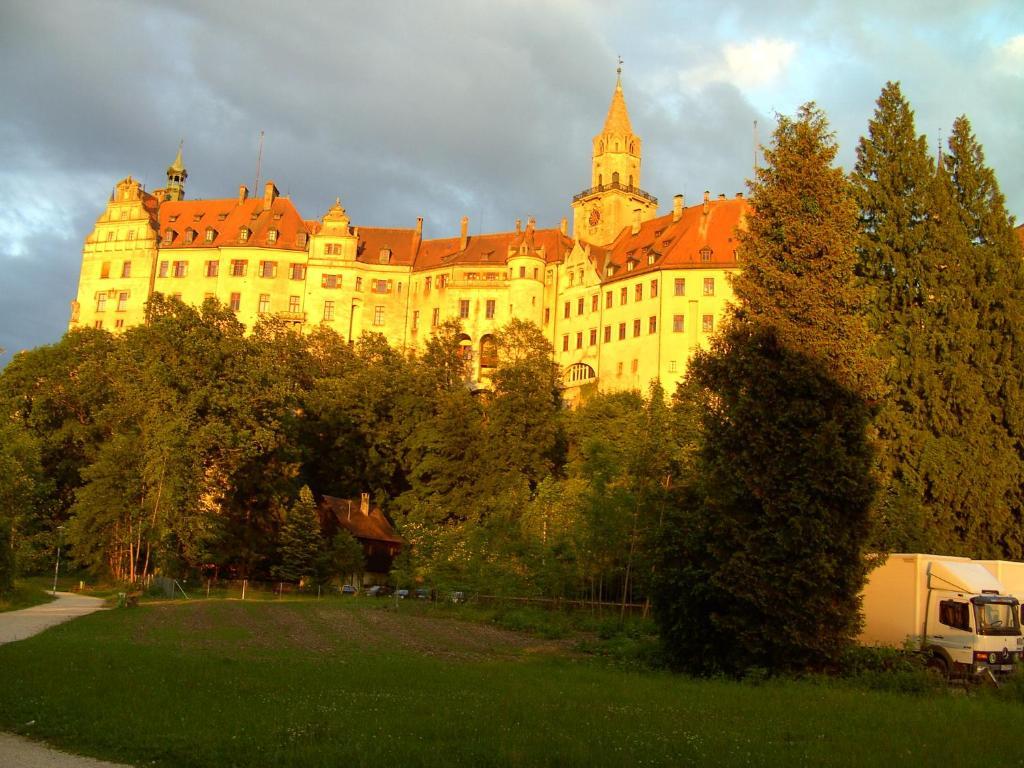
457 597
422 593
378 590
402 594
348 589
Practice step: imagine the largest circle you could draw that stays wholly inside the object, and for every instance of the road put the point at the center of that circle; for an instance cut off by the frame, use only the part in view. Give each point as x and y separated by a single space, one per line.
18 752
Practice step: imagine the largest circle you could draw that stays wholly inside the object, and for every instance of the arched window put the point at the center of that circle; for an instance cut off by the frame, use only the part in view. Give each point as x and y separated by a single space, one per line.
615 178
579 373
488 352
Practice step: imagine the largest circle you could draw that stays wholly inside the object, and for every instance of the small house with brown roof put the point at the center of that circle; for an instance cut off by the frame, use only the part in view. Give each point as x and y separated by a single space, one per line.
369 526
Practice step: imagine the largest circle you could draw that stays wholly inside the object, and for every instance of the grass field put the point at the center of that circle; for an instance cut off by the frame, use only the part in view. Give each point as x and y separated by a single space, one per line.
357 683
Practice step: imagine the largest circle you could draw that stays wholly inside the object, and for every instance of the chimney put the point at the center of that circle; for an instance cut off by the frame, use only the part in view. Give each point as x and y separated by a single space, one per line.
364 503
464 237
636 221
270 193
417 236
677 207
564 228
721 195
739 195
707 197
243 193
419 226
519 226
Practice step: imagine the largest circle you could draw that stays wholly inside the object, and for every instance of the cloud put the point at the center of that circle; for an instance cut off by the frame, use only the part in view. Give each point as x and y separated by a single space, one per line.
1010 57
758 63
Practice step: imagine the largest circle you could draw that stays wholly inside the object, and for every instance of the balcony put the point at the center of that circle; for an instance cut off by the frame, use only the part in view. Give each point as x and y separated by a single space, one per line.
615 185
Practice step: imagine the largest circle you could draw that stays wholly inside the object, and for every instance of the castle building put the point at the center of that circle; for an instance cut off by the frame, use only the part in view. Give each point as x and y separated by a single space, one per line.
627 298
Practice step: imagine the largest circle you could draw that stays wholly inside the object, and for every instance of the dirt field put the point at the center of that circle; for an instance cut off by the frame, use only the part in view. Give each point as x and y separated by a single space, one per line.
333 628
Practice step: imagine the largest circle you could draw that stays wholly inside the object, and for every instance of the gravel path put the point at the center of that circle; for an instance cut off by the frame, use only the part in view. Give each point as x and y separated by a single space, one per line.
17 625
18 752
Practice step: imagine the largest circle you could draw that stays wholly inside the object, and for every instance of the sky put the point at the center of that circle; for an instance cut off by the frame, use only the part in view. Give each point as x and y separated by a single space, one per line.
448 109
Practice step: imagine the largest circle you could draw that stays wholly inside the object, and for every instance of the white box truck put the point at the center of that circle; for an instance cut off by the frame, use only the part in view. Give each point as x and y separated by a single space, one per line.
1010 574
952 608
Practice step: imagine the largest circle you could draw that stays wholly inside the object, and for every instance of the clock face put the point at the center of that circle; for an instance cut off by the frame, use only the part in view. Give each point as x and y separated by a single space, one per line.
595 216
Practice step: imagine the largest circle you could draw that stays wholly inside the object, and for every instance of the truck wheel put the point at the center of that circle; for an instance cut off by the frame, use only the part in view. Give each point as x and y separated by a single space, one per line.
938 667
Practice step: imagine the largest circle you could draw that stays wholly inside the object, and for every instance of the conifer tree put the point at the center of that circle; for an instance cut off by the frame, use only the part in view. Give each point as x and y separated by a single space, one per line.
763 556
299 539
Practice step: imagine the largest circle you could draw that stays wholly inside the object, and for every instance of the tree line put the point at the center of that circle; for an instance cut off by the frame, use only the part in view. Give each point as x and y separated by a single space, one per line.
863 394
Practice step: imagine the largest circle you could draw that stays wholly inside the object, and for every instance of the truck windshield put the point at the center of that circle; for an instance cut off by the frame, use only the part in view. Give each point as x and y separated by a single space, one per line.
997 618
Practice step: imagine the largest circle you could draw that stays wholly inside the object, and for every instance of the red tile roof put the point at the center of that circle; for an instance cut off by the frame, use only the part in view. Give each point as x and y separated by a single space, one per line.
490 248
372 527
227 218
677 244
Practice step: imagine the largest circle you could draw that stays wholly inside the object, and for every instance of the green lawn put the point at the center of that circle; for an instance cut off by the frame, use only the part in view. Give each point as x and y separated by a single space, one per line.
350 683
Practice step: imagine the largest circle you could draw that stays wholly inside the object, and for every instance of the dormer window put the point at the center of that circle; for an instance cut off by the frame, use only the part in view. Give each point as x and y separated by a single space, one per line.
272 236
197 217
221 216
173 218
650 258
300 239
523 249
168 237
190 235
243 234
629 265
385 255
277 216
210 234
705 254
609 270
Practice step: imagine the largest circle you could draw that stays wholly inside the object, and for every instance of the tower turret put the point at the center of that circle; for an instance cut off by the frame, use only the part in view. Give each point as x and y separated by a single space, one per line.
176 175
600 212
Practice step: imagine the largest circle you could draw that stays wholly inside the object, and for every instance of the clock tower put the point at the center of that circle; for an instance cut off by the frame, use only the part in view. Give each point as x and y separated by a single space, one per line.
601 212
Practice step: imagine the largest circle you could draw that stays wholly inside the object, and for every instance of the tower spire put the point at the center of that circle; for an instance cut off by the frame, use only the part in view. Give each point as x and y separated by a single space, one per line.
176 175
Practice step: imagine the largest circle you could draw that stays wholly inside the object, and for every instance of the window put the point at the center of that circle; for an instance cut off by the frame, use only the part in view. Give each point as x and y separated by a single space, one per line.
272 236
654 289
607 333
565 343
579 340
426 285
105 270
580 305
522 271
268 269
415 319
294 304
378 315
300 239
634 365
636 327
678 324
435 317
680 286
126 269
239 267
212 268
381 286
180 268
264 305
568 308
535 271
442 281
629 265
671 366
97 324
210 234
243 234
705 254
608 300
162 271
330 281
332 249
618 369
359 283
650 258
708 323
490 308
329 311
101 301
547 315
384 256
168 237
236 302
296 271
110 235
623 295
190 236
638 292
122 301
124 214
593 337
709 286
595 300
463 308
955 614
119 322
652 324
131 234
622 331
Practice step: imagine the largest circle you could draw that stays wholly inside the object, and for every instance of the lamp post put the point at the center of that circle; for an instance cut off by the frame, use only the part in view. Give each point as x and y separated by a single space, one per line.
56 568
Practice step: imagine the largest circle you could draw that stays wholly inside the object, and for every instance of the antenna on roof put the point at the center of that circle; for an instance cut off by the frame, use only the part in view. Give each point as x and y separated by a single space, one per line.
259 162
755 147
938 142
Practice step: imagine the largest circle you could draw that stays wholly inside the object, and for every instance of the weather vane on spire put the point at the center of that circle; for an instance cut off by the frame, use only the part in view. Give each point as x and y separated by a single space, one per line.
618 69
